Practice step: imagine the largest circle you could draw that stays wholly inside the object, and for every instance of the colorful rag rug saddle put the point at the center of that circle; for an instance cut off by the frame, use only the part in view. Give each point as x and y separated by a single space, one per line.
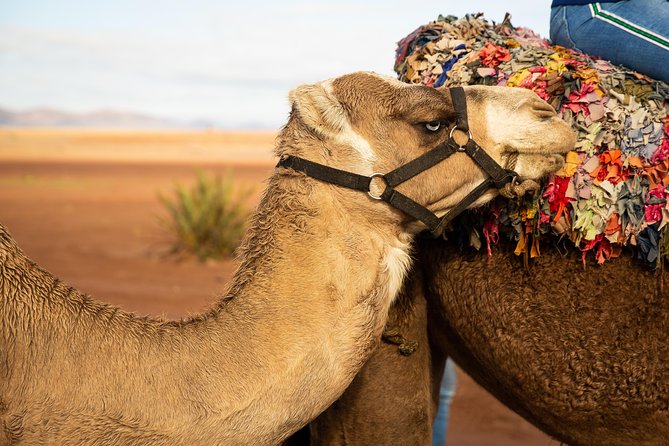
613 190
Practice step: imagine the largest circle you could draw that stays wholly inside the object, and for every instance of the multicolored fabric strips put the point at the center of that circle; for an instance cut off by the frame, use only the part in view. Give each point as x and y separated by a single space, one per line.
613 190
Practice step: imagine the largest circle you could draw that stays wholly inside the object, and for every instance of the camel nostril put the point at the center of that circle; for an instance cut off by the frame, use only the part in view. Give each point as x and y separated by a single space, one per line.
544 110
545 116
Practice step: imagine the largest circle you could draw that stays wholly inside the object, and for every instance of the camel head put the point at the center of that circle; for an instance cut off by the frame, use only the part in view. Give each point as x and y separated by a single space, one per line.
367 123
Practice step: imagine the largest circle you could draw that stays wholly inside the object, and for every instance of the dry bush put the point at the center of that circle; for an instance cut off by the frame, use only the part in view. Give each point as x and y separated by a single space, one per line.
207 219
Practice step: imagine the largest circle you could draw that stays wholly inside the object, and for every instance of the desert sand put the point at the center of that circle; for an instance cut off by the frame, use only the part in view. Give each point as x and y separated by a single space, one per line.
84 205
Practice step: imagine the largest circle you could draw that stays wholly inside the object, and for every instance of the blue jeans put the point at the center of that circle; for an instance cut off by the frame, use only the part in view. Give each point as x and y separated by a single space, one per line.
633 33
446 393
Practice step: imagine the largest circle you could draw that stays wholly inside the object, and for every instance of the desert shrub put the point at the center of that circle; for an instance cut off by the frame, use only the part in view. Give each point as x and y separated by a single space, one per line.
208 219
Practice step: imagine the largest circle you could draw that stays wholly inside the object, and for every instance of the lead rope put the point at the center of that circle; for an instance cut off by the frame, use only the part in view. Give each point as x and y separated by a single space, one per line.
517 190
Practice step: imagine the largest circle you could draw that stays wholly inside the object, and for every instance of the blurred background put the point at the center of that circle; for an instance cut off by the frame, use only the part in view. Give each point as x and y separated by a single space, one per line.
203 63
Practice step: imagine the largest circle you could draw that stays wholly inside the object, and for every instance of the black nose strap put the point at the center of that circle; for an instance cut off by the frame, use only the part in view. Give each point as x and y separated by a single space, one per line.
497 176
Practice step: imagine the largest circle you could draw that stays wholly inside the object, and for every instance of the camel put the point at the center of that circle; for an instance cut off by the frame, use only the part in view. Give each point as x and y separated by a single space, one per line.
393 398
320 266
576 351
584 360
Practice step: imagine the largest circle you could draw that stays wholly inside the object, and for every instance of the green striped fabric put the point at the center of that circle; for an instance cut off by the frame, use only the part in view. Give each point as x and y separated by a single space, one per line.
627 26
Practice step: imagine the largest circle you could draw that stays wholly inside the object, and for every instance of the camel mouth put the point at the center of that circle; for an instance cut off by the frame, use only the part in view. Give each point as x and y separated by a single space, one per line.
559 160
555 159
534 166
554 163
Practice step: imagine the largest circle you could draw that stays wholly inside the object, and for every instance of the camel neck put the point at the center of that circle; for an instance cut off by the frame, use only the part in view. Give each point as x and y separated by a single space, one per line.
303 313
294 323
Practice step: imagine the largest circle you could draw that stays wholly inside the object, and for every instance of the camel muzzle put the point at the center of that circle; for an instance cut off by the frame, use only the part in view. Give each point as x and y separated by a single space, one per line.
498 176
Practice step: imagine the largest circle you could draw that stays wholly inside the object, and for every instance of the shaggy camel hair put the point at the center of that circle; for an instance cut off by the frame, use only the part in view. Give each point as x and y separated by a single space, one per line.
319 269
580 353
391 401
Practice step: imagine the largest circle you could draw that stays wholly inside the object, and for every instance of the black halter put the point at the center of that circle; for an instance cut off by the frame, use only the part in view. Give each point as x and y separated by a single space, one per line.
497 175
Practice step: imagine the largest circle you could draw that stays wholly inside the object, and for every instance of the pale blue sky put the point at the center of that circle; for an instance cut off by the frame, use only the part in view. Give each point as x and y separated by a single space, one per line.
232 63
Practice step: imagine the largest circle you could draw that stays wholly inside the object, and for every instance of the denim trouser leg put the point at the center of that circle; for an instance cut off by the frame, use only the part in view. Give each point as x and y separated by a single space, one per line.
446 393
633 33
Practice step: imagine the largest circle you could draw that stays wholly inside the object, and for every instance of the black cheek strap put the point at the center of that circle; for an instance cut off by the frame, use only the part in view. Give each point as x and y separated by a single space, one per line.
391 179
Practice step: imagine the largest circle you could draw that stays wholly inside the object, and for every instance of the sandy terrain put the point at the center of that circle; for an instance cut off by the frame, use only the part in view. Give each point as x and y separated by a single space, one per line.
84 206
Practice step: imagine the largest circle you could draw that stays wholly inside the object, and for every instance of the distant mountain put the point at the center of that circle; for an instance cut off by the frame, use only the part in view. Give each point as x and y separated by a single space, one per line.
46 117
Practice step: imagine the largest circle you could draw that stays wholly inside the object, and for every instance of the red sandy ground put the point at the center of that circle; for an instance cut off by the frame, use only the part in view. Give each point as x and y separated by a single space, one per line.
86 209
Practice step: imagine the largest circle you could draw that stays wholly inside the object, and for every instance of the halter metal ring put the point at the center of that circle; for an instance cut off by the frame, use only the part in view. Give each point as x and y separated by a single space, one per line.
371 177
461 147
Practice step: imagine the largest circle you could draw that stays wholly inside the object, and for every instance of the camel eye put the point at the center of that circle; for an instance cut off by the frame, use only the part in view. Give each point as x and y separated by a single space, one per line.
433 126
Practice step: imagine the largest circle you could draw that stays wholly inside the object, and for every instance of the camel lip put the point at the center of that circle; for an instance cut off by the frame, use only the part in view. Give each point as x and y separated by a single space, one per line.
558 163
557 149
559 159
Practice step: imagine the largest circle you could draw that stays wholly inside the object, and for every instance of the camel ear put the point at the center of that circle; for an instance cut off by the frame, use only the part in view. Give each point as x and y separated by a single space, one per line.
319 108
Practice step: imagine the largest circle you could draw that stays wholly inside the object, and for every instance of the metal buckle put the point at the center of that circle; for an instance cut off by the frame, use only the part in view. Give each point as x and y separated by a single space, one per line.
461 147
371 177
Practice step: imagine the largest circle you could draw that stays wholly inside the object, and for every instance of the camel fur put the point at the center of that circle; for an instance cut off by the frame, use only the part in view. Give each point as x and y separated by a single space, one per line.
579 352
319 269
391 401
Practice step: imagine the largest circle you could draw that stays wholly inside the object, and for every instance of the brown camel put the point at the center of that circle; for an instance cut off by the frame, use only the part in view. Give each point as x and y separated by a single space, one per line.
320 267
580 353
393 399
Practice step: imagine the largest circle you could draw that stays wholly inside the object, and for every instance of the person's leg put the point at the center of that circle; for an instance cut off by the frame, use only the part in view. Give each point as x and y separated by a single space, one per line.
560 25
633 33
446 393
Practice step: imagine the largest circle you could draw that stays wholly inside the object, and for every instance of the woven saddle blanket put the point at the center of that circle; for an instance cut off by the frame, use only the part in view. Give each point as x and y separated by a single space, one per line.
612 191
